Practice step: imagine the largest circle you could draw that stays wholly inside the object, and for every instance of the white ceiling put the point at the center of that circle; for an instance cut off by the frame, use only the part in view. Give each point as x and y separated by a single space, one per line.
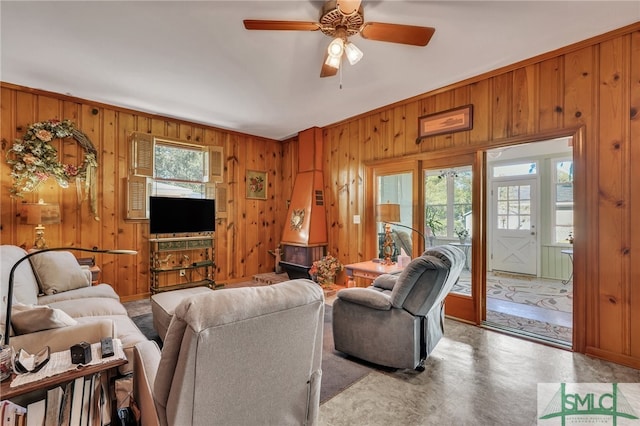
195 61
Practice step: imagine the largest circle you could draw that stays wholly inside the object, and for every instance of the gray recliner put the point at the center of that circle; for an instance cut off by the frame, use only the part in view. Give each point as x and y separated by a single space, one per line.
399 319
240 356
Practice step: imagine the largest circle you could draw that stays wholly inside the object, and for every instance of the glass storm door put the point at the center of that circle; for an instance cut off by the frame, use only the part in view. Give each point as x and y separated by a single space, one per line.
449 218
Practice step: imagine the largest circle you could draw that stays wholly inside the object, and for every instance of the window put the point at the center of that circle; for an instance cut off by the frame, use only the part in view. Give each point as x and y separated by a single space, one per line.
514 207
562 205
169 168
179 170
521 169
396 189
448 202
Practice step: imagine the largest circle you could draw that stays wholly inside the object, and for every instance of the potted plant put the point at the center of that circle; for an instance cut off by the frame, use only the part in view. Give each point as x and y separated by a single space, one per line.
325 270
433 223
462 234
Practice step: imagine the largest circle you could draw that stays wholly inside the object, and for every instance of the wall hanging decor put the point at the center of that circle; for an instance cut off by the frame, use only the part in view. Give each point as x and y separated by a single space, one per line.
256 185
34 160
451 121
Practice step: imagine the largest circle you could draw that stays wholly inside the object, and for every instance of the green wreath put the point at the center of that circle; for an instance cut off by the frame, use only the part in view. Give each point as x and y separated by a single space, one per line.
34 160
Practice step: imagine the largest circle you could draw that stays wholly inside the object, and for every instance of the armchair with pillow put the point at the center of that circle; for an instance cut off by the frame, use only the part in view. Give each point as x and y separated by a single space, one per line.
399 319
55 305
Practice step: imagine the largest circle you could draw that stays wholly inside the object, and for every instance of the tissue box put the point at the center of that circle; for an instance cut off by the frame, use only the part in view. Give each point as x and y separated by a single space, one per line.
403 261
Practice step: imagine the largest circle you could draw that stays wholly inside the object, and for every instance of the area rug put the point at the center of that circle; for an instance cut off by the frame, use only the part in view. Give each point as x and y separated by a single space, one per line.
145 324
539 292
338 371
539 329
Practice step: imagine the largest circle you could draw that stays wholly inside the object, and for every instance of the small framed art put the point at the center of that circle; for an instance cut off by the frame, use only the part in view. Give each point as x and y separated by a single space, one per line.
453 120
256 185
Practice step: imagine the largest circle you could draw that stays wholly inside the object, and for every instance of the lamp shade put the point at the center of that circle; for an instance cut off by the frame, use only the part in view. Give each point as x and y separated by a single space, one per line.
336 47
333 61
39 213
353 53
388 212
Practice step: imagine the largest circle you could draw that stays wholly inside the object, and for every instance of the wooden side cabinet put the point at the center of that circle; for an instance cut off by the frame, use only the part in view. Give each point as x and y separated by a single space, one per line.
181 262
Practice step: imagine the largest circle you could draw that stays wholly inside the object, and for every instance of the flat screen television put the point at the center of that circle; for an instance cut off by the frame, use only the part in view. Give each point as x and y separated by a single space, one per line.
168 215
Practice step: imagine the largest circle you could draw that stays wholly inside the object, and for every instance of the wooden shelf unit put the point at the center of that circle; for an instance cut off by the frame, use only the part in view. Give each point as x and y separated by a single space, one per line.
173 258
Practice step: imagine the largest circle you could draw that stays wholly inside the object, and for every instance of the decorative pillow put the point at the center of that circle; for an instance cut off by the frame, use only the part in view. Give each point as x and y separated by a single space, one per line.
31 318
58 271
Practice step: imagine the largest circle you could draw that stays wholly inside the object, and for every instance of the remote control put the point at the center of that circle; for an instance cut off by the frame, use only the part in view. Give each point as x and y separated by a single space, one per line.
106 345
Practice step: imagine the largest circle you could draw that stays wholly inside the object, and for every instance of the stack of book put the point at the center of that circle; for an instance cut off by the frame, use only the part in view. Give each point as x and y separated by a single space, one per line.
84 401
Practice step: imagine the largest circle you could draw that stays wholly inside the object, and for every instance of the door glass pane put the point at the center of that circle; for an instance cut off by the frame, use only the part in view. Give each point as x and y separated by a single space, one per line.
502 222
448 214
515 170
512 193
395 191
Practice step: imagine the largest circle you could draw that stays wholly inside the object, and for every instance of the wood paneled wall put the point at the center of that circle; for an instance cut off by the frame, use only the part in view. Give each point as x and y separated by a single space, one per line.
243 239
592 88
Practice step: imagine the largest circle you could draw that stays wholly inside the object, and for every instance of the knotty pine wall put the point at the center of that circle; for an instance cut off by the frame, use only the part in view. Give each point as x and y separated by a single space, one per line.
591 89
242 239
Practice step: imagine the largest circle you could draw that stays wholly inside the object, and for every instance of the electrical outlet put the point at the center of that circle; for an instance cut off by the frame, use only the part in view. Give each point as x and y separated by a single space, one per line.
183 272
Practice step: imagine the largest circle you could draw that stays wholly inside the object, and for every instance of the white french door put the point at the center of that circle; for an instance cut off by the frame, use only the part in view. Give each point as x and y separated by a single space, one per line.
514 245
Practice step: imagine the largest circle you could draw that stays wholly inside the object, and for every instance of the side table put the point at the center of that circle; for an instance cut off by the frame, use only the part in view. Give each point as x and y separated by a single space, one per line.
568 252
95 274
370 270
54 379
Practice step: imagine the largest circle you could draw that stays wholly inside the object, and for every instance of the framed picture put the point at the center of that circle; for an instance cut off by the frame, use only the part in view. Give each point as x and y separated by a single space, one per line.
256 185
451 121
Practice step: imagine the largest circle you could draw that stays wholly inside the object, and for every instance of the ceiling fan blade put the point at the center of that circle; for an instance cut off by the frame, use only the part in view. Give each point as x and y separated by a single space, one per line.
397 33
327 71
348 7
256 24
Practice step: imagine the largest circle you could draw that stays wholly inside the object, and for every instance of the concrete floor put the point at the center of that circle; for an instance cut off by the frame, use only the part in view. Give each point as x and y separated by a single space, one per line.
474 377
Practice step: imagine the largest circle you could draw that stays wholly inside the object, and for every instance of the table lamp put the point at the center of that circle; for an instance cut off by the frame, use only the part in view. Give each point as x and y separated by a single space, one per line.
387 214
390 214
39 214
35 253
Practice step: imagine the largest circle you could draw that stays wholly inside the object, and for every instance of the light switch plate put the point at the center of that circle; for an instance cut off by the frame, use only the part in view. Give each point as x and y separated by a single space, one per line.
356 219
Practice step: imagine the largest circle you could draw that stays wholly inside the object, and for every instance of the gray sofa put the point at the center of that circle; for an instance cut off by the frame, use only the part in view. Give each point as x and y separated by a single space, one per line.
55 305
399 319
242 356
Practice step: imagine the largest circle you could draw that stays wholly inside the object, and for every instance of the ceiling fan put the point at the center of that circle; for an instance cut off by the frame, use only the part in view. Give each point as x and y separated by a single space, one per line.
341 19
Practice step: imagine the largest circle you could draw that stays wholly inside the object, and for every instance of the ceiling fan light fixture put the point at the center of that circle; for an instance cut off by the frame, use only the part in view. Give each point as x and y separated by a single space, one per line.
336 47
333 61
353 53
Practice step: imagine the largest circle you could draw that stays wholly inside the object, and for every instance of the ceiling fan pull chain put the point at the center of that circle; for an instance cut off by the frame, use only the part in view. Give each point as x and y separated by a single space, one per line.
340 71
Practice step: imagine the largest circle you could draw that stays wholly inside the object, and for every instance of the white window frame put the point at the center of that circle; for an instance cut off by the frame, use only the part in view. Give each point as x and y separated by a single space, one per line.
159 142
448 176
554 194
